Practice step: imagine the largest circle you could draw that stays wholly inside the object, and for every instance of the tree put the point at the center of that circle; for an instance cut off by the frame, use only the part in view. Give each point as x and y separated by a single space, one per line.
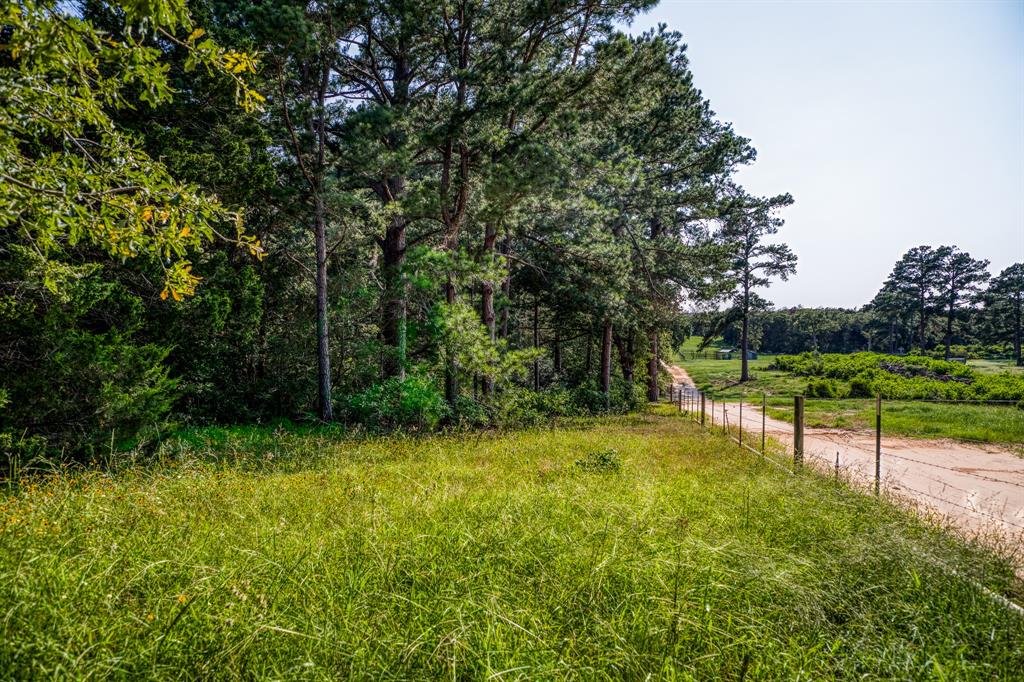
754 263
1004 303
912 287
958 279
70 177
86 213
304 56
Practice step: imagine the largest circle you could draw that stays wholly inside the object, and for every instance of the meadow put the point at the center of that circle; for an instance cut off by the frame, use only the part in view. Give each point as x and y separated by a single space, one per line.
605 548
1001 423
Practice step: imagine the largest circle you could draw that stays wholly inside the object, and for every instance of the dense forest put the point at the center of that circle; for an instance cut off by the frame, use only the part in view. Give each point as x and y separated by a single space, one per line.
391 213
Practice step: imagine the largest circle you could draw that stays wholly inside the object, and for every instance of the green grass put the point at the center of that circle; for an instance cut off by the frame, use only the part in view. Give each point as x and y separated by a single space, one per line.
984 423
720 378
303 555
995 366
1002 424
997 424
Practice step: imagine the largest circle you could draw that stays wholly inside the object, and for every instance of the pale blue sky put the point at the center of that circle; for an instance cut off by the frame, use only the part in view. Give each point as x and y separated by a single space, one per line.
893 124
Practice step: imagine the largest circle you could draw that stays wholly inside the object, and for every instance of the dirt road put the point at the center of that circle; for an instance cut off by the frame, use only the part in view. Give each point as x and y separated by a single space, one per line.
978 488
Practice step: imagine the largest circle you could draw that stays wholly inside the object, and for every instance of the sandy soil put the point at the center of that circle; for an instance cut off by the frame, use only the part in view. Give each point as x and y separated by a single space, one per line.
978 488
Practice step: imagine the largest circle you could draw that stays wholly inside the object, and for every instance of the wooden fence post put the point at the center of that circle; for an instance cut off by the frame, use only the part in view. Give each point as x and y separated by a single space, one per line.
798 431
702 408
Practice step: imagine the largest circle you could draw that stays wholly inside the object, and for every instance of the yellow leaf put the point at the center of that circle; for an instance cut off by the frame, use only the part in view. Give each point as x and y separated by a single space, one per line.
196 35
163 295
147 213
176 295
185 231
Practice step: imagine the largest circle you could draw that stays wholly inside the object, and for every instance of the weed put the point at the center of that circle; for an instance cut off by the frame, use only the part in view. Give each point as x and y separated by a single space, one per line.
601 461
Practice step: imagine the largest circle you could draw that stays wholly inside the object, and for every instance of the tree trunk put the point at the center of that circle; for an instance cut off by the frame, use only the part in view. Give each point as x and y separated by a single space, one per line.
744 346
487 304
653 391
393 307
606 363
1017 331
590 353
557 353
323 346
949 328
506 292
627 358
921 324
451 377
745 337
536 344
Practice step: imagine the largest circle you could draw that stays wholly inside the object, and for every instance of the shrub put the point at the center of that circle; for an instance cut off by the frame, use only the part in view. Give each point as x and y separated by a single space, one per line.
414 402
470 413
825 388
601 461
523 407
860 386
911 377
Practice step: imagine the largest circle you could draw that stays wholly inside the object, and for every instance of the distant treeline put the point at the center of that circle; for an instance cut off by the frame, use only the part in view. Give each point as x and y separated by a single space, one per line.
846 330
938 301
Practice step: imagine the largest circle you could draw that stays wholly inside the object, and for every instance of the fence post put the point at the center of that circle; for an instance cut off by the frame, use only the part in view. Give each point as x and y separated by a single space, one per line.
712 413
798 431
681 398
725 419
764 411
702 408
878 443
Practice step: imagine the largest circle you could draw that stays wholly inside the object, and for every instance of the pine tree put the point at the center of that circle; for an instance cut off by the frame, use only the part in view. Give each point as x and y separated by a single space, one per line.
1004 304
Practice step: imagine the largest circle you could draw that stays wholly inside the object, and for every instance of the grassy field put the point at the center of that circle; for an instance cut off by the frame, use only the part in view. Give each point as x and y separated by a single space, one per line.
1002 424
995 366
984 423
720 378
539 554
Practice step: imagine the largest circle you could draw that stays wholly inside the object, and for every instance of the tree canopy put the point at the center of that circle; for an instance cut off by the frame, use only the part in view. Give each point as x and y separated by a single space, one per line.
379 211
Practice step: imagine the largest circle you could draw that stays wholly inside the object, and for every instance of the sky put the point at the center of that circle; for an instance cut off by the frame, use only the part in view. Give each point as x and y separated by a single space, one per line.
892 124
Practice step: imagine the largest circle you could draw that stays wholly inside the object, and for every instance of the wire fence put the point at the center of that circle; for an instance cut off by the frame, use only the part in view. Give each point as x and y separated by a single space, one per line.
957 459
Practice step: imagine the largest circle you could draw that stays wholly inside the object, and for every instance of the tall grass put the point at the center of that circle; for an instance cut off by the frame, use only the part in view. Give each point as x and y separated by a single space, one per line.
680 556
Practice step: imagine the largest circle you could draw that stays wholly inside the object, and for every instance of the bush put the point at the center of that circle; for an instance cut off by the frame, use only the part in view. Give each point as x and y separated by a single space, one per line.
860 386
911 377
83 387
414 402
523 407
471 414
602 461
825 388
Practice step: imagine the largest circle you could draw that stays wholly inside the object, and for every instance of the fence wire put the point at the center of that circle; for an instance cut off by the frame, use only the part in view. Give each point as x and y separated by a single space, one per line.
977 484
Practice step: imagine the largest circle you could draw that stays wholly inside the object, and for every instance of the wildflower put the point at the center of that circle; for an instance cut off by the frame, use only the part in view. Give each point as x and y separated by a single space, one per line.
150 617
181 599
